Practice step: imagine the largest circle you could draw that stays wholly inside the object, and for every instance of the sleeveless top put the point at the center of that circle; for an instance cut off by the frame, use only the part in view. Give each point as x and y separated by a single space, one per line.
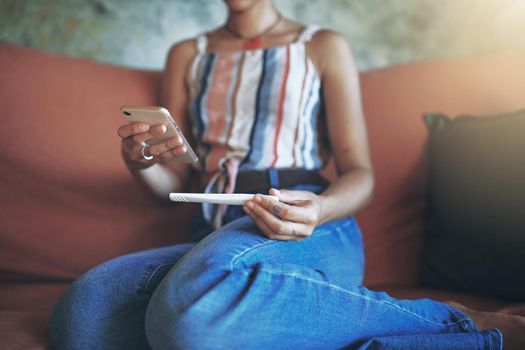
256 109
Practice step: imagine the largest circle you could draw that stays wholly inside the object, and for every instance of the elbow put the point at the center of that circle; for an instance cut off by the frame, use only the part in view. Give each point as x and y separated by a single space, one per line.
369 187
366 185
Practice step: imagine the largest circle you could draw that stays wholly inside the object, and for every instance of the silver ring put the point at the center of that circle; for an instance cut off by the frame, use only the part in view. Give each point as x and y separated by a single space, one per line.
294 233
143 151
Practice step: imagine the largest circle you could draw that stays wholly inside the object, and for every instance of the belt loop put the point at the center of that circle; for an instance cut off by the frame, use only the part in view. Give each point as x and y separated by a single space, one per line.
273 177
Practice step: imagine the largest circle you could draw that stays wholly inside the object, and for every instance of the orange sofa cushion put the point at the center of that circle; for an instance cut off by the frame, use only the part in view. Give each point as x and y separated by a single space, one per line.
395 99
68 201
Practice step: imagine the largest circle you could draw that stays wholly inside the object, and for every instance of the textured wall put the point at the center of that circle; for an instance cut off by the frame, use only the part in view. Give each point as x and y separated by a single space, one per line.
138 33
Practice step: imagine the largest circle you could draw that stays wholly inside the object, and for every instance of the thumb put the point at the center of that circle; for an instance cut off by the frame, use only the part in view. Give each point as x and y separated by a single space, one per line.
286 196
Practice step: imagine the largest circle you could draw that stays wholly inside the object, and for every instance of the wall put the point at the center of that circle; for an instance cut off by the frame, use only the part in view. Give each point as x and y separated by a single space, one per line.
381 32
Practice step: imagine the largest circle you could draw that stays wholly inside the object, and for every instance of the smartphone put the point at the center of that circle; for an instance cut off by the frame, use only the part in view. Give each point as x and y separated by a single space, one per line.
159 115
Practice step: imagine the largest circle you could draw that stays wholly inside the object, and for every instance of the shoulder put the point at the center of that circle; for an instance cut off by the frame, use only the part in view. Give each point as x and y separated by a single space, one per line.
182 52
329 39
329 48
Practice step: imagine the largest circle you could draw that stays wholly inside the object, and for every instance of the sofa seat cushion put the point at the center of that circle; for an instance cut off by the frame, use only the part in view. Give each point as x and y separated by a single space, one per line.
30 296
26 309
471 300
24 330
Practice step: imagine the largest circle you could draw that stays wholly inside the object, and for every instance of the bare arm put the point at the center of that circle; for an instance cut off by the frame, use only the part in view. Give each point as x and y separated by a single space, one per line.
163 174
297 213
346 127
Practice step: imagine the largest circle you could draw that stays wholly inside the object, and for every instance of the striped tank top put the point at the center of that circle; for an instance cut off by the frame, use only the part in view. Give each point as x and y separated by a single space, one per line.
256 109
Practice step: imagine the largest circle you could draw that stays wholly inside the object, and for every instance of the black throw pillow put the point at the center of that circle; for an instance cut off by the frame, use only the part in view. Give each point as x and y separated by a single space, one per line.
475 228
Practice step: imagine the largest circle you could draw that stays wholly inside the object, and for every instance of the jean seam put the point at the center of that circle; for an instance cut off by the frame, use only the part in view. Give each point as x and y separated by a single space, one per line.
145 278
466 323
148 275
349 221
357 295
249 249
496 340
133 307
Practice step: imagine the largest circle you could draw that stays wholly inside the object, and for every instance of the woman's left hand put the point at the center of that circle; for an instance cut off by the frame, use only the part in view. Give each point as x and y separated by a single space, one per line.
293 217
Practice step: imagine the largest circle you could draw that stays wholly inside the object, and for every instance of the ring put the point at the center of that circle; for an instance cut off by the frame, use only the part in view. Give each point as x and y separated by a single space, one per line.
143 151
294 232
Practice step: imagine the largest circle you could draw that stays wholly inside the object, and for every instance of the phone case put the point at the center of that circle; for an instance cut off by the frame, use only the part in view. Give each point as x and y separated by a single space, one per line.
159 115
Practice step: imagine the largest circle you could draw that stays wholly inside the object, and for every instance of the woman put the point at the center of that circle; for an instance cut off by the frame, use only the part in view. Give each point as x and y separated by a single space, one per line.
266 99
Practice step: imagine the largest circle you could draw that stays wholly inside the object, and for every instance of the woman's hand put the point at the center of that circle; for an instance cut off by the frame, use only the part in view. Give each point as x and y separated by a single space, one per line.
132 137
293 217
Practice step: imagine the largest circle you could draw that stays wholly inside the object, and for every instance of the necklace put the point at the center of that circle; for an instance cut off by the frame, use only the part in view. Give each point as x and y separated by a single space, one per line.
254 42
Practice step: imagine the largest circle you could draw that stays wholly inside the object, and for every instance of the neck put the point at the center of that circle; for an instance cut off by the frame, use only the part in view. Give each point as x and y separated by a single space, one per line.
253 20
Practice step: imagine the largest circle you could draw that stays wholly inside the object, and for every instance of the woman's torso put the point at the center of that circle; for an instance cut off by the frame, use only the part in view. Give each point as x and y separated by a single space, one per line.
257 109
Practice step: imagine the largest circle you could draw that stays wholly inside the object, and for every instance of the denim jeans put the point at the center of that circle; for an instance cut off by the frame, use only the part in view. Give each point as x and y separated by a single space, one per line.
236 289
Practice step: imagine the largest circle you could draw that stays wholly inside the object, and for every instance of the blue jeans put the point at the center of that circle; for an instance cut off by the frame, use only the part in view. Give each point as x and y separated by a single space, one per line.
236 289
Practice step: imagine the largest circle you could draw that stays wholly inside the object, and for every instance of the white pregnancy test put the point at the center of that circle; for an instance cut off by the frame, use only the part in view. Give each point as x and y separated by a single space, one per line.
216 198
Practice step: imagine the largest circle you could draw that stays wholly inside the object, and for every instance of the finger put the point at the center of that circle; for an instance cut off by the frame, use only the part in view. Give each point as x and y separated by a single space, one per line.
282 210
135 154
154 131
289 196
270 232
287 238
274 192
278 226
169 144
132 129
265 229
175 152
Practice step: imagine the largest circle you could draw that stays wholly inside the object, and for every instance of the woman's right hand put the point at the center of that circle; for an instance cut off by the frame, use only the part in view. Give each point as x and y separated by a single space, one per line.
134 134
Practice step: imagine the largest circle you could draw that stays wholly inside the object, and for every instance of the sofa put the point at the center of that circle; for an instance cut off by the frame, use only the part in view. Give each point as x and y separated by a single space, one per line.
69 203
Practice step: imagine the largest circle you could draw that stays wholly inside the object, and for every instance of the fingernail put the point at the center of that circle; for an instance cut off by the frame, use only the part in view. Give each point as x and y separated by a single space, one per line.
163 128
258 198
250 205
276 190
179 141
183 149
144 127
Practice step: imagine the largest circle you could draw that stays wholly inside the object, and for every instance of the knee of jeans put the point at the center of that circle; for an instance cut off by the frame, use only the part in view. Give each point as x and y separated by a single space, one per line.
76 321
193 312
169 325
74 313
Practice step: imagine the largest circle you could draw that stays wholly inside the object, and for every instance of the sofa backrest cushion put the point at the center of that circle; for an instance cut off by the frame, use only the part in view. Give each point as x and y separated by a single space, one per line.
395 99
68 201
